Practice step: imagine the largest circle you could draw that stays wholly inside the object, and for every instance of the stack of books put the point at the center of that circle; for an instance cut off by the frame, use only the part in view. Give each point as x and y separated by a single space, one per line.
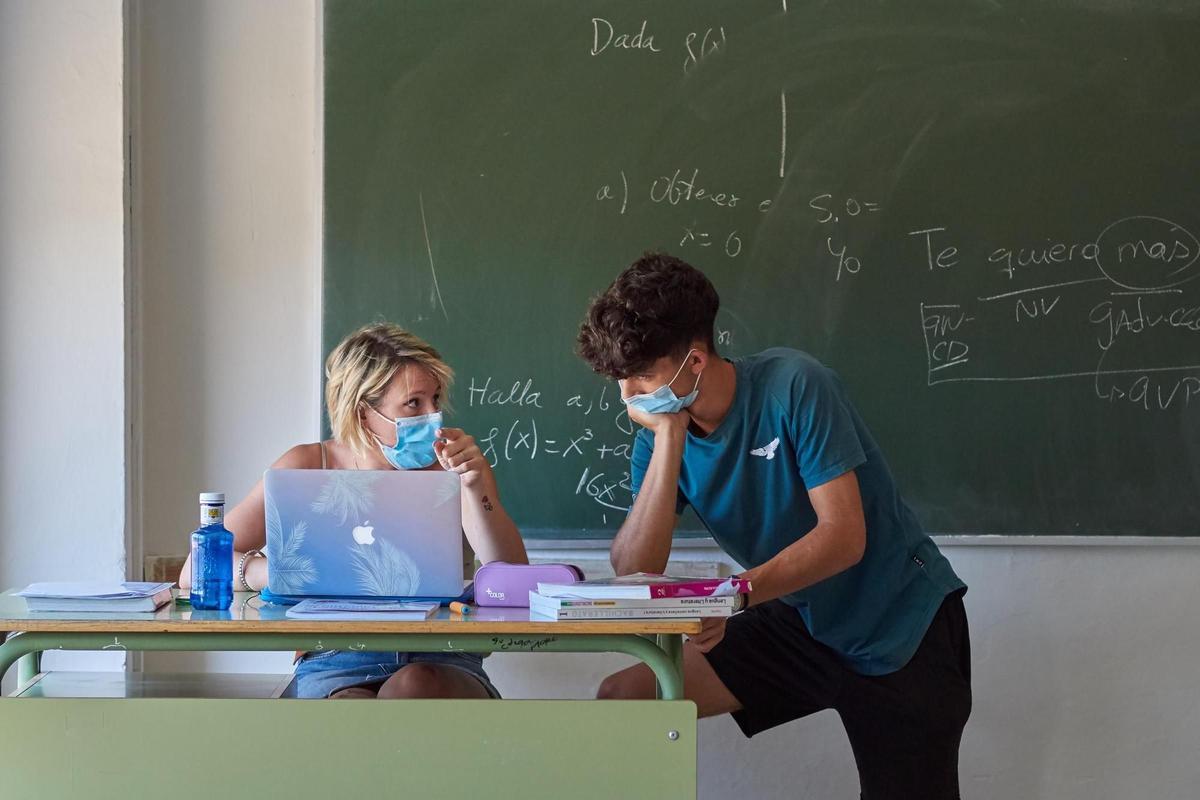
638 596
97 597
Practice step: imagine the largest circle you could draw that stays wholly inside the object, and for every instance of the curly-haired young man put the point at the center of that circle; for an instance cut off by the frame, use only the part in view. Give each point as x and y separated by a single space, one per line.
853 606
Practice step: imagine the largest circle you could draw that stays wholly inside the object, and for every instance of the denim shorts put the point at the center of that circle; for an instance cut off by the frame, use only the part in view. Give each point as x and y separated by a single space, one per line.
321 673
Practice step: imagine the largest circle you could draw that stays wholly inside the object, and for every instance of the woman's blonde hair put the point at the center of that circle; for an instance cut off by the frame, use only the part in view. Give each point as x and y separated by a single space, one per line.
358 371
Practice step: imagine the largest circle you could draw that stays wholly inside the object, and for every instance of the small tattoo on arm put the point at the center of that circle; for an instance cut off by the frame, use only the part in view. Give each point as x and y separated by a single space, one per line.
487 503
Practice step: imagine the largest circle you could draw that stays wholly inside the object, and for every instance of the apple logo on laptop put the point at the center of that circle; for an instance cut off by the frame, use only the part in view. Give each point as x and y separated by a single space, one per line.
362 533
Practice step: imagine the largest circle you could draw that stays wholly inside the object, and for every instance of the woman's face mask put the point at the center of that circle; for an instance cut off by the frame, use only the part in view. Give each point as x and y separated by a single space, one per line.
414 440
663 400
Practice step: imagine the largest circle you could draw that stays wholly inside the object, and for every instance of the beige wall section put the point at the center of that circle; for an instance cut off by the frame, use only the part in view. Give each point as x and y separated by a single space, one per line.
1085 657
62 296
227 250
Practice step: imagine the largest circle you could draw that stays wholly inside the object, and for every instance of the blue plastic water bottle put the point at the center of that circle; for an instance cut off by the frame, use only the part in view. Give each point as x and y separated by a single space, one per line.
212 556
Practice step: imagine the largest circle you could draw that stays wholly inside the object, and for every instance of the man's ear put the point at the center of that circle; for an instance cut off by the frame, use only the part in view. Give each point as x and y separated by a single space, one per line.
699 357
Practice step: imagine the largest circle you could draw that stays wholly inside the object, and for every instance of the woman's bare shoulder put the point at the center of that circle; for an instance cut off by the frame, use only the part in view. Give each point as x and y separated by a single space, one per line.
302 456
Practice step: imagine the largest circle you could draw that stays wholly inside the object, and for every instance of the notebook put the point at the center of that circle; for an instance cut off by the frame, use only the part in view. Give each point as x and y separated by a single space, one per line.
362 610
96 597
392 534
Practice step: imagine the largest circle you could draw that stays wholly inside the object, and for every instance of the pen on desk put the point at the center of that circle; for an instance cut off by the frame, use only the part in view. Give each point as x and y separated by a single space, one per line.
460 608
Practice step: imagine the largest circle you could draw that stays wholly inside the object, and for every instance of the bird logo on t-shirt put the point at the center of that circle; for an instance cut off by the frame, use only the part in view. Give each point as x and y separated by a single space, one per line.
767 451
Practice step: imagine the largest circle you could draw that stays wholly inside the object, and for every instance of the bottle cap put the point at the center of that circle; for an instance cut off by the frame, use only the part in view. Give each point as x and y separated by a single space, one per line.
212 498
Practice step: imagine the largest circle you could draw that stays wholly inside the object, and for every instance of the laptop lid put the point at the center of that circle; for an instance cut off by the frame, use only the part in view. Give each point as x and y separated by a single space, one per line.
363 533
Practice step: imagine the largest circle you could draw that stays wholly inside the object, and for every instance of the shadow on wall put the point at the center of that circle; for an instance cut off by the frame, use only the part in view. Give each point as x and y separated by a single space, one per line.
180 295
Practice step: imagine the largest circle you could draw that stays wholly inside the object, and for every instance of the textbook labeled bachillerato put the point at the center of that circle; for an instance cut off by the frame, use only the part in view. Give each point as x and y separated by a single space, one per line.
661 608
646 586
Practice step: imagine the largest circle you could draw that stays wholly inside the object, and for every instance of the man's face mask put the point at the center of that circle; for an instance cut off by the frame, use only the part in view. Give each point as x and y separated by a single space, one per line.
664 401
414 440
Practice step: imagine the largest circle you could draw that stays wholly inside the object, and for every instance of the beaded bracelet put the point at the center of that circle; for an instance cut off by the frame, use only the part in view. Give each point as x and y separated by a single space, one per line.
241 567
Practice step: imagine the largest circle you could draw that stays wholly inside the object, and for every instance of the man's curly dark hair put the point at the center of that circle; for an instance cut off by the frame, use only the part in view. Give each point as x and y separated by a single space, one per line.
657 307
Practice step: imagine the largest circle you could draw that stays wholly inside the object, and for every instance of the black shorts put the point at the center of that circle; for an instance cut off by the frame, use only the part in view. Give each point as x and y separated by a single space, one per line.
904 727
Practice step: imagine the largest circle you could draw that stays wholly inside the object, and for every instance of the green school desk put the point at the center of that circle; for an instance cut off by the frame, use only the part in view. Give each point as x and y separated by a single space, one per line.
100 747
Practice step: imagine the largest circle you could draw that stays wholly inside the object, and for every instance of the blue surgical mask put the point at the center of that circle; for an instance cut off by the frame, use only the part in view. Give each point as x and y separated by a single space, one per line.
664 401
414 440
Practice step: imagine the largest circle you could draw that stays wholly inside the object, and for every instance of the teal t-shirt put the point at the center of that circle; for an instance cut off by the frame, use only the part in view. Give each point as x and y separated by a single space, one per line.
791 428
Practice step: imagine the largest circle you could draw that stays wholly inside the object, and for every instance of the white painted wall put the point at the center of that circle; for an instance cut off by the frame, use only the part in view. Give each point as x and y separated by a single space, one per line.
1086 658
62 296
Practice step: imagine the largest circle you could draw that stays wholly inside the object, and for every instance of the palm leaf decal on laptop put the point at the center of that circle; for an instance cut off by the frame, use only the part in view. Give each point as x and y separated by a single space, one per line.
447 491
290 571
384 570
347 495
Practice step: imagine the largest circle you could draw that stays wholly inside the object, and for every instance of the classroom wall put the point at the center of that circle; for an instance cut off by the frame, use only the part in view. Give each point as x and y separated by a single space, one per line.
62 296
1085 657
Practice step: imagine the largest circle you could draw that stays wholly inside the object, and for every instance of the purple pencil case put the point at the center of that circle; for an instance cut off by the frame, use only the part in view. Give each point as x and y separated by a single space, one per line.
502 584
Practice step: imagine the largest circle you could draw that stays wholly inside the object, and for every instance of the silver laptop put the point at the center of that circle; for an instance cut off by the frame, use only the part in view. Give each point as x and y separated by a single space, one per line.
363 533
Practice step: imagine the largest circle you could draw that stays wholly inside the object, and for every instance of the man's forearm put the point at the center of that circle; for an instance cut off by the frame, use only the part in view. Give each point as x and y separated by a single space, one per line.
826 550
643 544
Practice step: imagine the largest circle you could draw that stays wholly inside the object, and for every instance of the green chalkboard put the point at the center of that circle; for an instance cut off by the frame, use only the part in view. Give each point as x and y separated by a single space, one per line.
983 215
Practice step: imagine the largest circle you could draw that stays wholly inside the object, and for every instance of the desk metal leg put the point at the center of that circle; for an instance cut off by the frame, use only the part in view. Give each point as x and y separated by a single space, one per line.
28 667
672 645
25 651
29 662
663 659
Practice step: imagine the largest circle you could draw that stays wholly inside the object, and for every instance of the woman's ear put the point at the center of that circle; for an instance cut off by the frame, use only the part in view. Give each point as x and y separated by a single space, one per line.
364 417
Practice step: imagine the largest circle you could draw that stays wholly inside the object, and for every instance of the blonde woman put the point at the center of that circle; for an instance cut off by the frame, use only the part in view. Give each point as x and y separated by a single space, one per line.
383 385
